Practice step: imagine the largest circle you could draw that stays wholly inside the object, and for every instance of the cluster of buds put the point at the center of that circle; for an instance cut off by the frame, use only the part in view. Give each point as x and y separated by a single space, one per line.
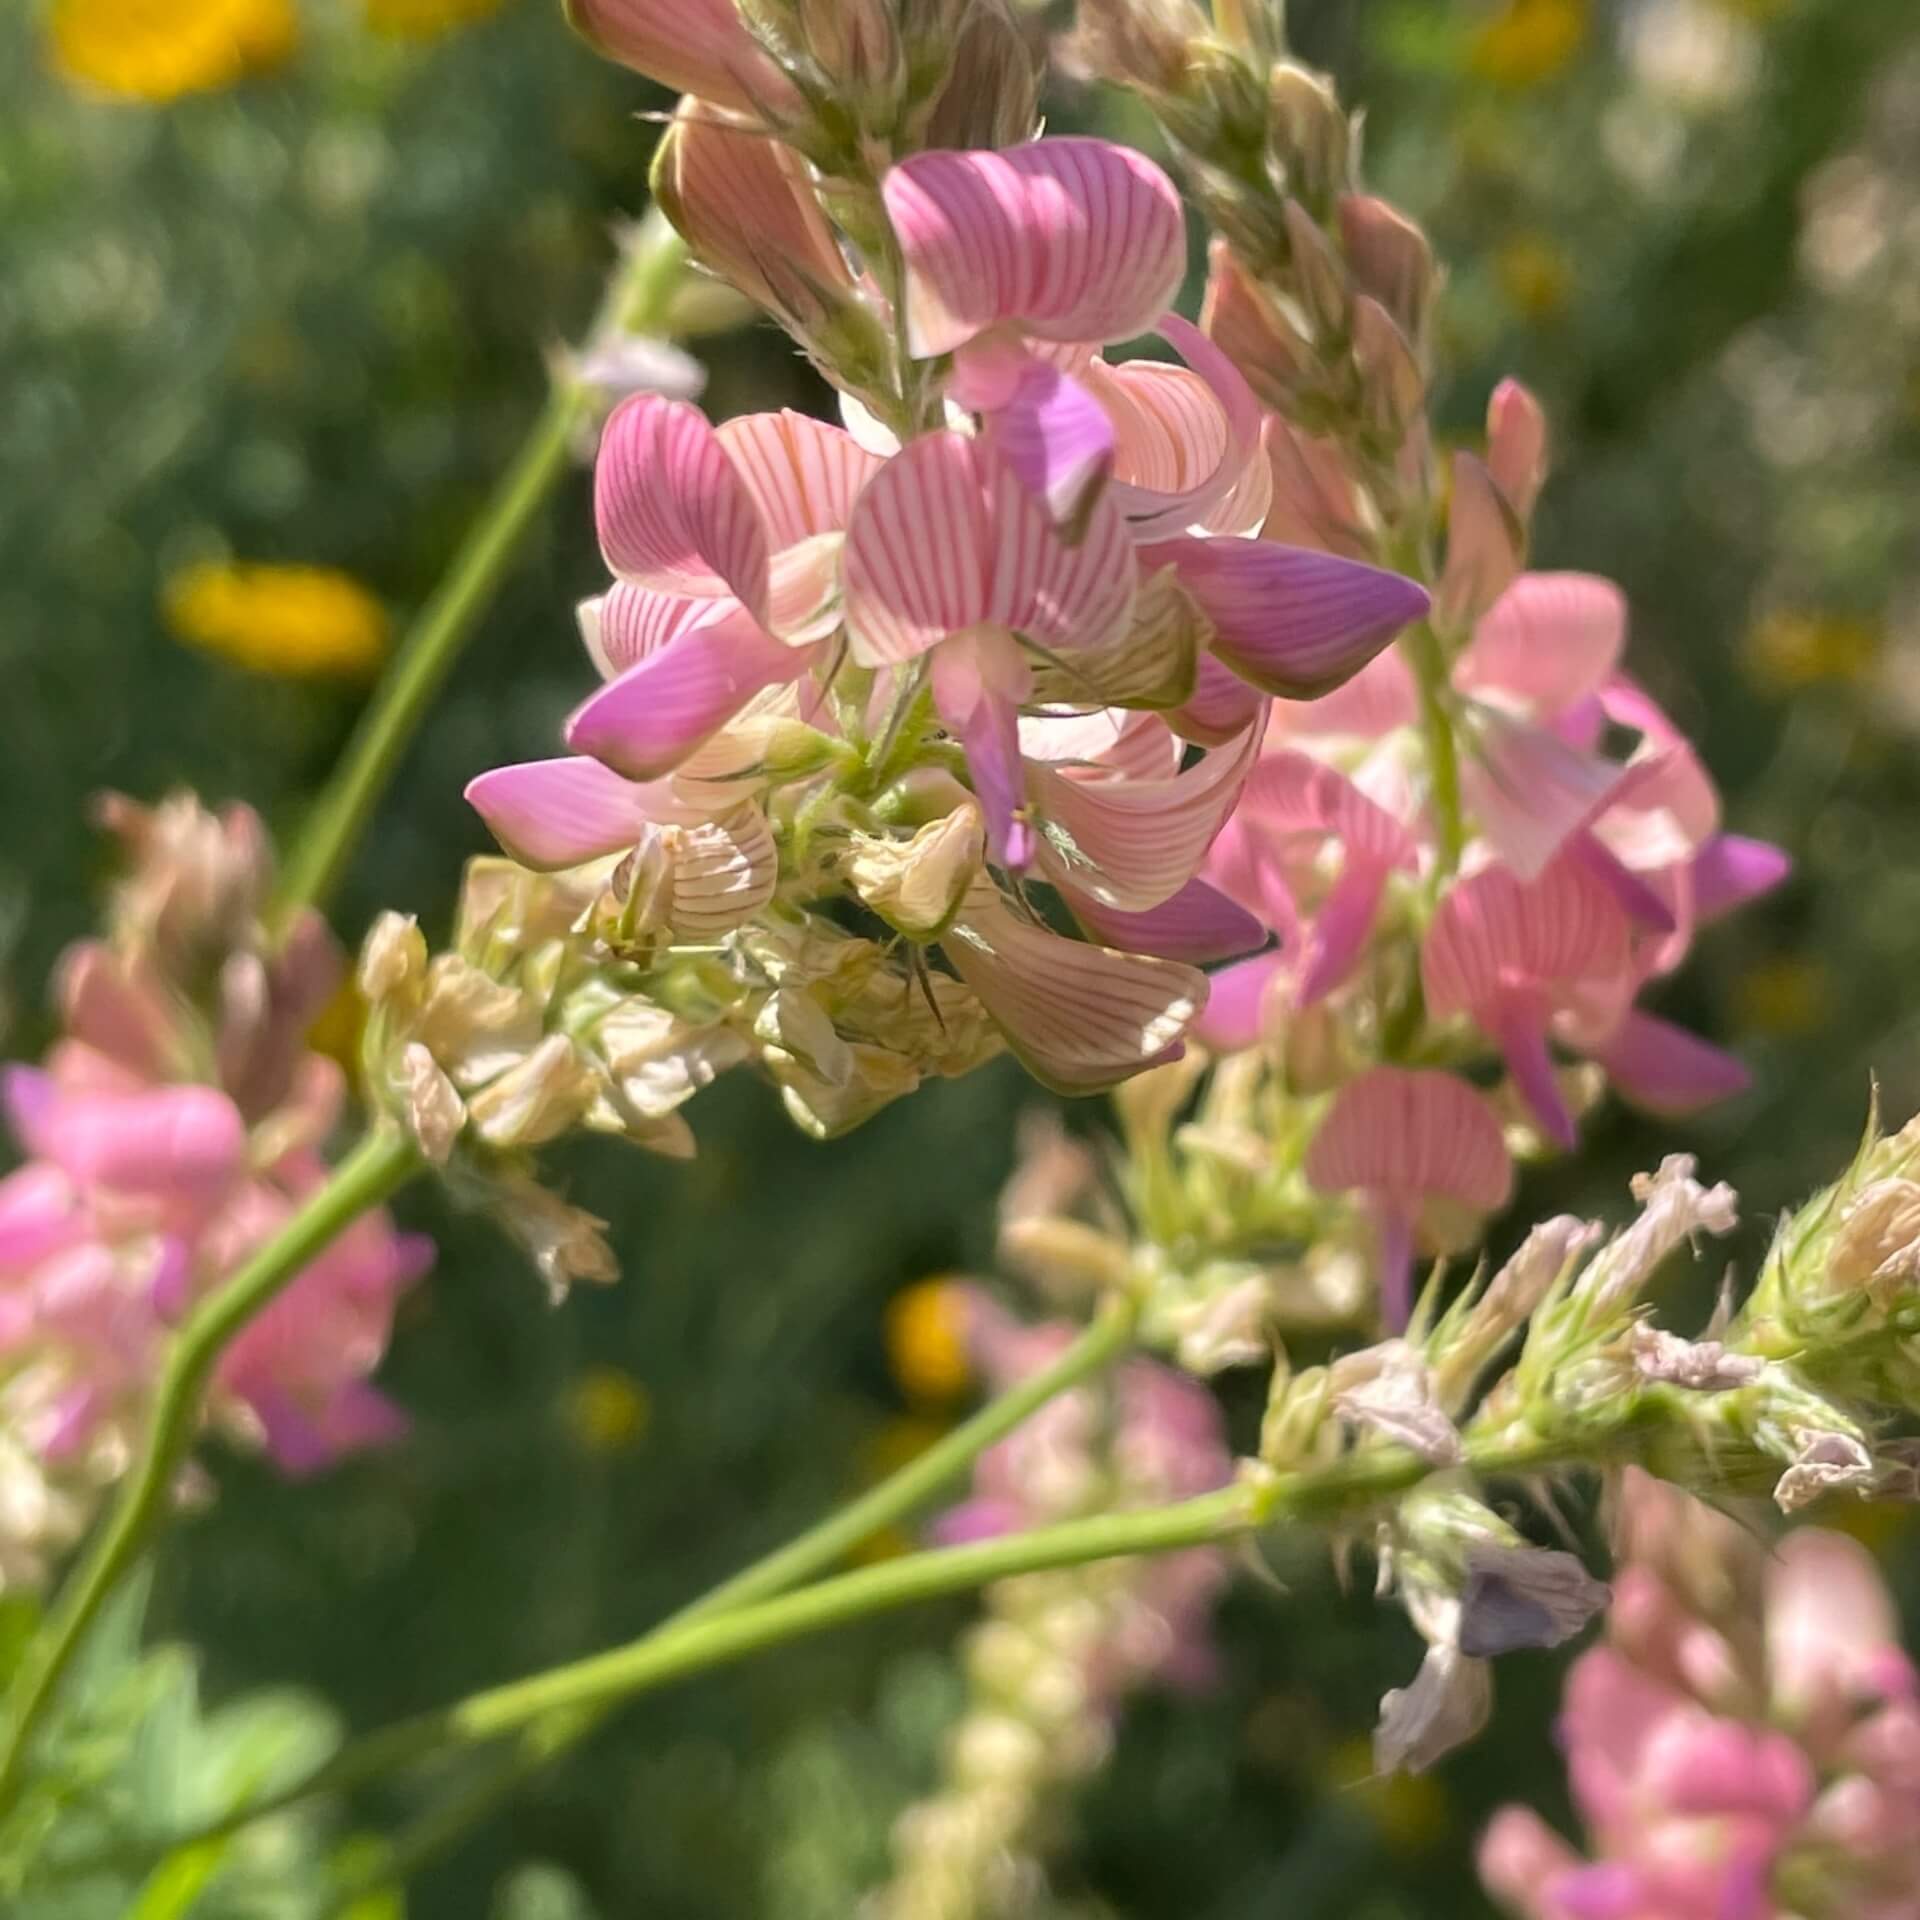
172 1130
1742 1744
1056 1654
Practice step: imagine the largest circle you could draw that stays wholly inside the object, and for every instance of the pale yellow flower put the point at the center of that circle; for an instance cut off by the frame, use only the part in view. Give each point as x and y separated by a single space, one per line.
1534 274
158 50
293 621
425 19
1788 649
1528 42
926 1335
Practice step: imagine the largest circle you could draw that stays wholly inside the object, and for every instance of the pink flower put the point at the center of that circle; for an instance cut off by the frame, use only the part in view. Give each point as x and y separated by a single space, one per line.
689 46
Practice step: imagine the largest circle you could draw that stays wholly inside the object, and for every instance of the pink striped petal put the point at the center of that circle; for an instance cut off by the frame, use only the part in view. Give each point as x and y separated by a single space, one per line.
188 1140
1549 642
689 46
1516 445
1290 792
672 509
977 682
1528 790
1412 1135
1051 432
557 813
1082 1018
1313 502
1640 898
1665 1069
1109 740
801 474
1341 928
649 720
1071 239
723 872
627 624
1484 543
1288 620
1132 844
1730 870
1199 925
1234 1017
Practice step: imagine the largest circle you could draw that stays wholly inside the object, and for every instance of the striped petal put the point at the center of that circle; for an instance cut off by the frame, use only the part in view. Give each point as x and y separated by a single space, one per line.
649 720
1072 239
1412 1135
626 624
1082 1018
558 813
1052 433
1287 620
1199 925
1549 642
723 873
978 681
672 510
802 475
184 1140
1133 844
1663 1068
689 46
1109 741
1528 790
1221 706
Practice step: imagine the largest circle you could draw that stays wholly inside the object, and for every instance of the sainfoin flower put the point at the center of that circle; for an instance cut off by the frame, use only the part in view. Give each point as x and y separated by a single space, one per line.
145 1186
1719 1771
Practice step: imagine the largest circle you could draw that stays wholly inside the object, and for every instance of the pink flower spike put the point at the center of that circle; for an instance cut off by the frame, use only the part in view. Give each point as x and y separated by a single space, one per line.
672 510
1199 925
1286 619
1404 1138
1549 642
689 46
648 721
1043 423
188 1140
1731 870
1082 1018
556 813
1509 955
1665 1069
1072 239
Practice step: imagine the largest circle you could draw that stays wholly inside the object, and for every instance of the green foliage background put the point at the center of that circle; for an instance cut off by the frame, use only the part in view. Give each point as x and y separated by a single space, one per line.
305 319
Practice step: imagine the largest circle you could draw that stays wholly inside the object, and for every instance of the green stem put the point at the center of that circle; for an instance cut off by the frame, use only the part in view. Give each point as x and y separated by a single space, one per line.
820 1547
1443 753
381 1163
636 301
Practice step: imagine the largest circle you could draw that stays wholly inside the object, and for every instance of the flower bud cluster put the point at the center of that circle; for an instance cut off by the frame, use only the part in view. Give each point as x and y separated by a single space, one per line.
1056 1654
172 1130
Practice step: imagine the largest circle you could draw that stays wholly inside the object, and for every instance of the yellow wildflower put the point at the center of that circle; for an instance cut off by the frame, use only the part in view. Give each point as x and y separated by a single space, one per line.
425 19
606 1410
1787 650
926 1333
1411 1810
275 619
1784 995
160 49
1534 275
1528 42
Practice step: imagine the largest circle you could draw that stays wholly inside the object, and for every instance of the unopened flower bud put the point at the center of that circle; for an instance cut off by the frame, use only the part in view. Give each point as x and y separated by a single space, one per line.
1308 135
1878 1244
1136 43
1393 390
985 76
1389 1389
1316 273
916 886
1517 446
856 45
690 46
1065 1259
536 1100
1390 259
1245 324
1485 545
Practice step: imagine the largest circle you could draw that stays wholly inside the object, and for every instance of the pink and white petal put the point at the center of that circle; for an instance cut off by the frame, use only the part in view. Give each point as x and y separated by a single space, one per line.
185 1140
1234 1017
557 813
1413 1135
724 872
1221 707
1082 1018
648 721
689 46
1132 844
978 701
672 510
1056 593
1286 619
107 1005
1199 925
1730 870
802 474
919 558
1291 792
1108 741
1549 642
1641 898
1516 445
1663 1068
1484 544
628 624
1074 239
1528 791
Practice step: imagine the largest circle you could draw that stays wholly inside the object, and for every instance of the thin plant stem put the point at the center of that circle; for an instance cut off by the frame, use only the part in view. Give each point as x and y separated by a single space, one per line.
637 300
904 1492
382 1162
1443 752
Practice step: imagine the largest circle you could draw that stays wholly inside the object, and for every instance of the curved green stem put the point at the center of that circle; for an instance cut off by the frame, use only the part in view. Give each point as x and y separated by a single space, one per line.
929 1473
636 301
1443 752
381 1163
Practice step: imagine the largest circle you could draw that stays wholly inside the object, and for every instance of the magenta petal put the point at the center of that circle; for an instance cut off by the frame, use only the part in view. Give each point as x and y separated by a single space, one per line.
39 1214
1396 1267
1199 925
1292 622
1341 927
557 813
1523 1045
187 1139
988 725
645 723
1634 894
1055 437
1730 870
1667 1070
1221 706
1236 996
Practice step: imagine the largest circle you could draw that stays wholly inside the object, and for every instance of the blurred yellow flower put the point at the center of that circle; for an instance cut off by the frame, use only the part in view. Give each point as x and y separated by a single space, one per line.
1784 995
1534 275
1787 650
926 1336
294 621
1411 1810
425 19
1527 42
160 49
606 1410
337 1026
